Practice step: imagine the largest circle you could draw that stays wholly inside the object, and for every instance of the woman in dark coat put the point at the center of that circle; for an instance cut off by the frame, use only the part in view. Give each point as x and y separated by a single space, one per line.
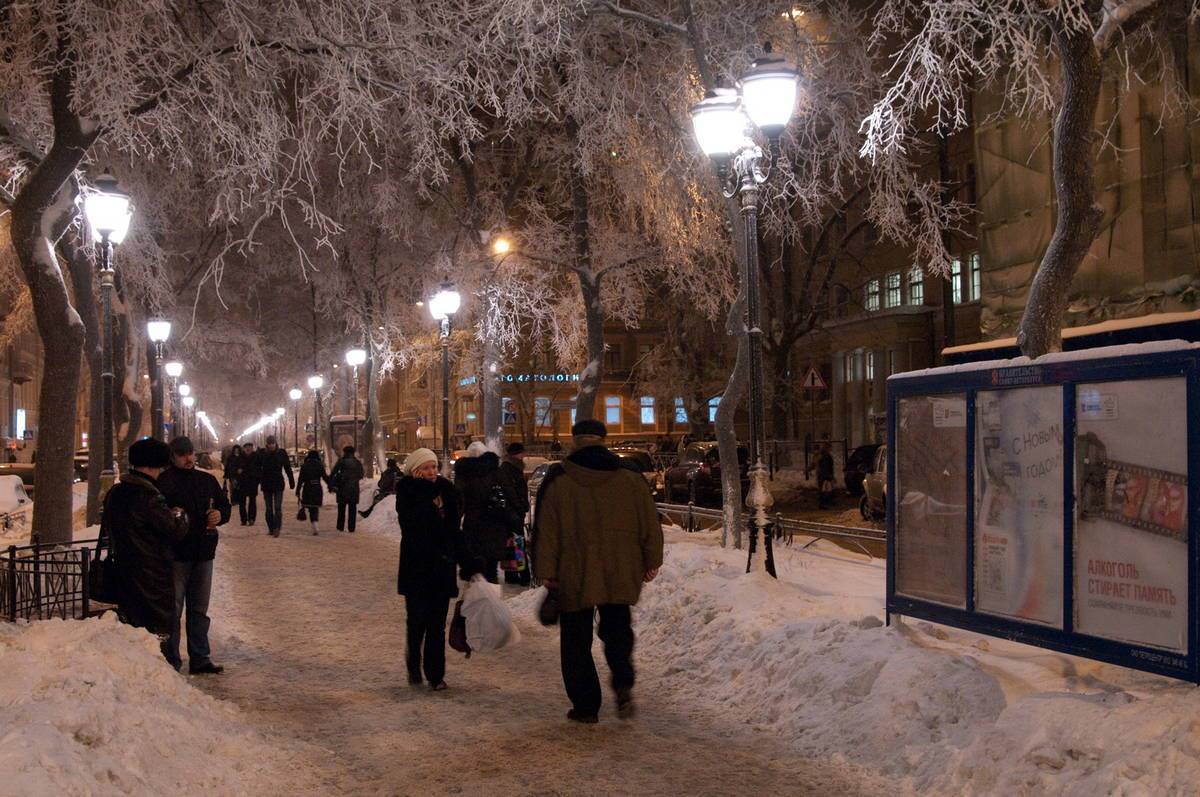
428 510
489 522
308 488
343 482
233 469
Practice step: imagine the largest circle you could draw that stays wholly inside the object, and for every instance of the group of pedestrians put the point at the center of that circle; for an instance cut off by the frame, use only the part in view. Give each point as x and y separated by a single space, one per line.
596 541
592 562
161 520
246 471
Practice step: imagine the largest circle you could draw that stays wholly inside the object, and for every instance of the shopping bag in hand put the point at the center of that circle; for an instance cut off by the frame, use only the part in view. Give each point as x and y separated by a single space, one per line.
489 624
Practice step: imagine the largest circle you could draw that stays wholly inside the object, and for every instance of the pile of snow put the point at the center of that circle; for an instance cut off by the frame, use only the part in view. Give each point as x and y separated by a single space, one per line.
940 711
90 707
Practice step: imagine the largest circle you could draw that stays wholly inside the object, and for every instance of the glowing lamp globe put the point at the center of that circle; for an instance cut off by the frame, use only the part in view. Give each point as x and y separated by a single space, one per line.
502 246
769 94
316 382
719 124
174 369
107 210
356 357
189 401
294 394
278 411
445 302
185 389
158 331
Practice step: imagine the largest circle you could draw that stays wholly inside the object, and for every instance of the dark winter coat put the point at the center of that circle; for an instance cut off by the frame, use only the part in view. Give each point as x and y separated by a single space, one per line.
430 539
248 474
344 479
271 467
388 480
233 471
825 467
516 487
144 533
312 474
195 492
488 518
597 530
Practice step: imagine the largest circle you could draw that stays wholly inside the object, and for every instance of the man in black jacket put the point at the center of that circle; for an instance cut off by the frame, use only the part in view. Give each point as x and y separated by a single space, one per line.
201 496
144 531
343 481
248 477
273 462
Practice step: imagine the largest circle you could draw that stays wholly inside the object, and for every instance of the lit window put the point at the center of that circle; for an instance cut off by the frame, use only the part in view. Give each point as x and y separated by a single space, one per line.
871 301
541 410
848 367
20 423
572 416
956 285
713 404
681 415
612 411
976 276
870 364
916 286
892 297
647 408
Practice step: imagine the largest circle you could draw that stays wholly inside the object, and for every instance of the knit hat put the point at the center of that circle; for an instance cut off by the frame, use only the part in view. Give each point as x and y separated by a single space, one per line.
418 458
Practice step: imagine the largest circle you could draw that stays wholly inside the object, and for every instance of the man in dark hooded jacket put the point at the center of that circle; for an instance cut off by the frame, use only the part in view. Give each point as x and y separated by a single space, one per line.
201 496
144 532
596 562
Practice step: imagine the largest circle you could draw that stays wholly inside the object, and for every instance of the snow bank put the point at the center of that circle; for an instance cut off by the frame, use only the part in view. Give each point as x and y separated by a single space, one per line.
90 708
937 710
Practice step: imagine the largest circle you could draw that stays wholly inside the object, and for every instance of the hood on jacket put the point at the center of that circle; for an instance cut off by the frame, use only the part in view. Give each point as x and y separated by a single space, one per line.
476 467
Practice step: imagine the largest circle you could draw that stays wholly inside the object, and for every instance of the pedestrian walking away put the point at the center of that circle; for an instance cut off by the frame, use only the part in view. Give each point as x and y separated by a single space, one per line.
824 466
308 489
344 483
273 464
203 499
489 519
427 507
144 532
232 463
247 481
385 487
596 563
516 491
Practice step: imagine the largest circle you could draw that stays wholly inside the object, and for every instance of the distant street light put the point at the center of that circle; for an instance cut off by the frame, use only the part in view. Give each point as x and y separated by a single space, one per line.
501 246
722 124
442 307
315 383
158 331
355 358
188 403
295 394
108 213
174 370
185 390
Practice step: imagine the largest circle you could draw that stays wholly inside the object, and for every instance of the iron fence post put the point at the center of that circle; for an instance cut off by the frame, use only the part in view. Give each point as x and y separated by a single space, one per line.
12 583
36 574
83 583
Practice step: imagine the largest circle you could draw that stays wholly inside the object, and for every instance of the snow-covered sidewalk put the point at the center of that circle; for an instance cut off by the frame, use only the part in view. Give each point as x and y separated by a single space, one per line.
312 633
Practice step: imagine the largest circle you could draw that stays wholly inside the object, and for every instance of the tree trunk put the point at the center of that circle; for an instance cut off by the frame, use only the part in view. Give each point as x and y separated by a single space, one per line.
371 439
727 442
589 287
81 272
1075 153
490 397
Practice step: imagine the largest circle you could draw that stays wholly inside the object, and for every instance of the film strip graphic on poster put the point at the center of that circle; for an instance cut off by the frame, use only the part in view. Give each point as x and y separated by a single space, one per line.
1143 498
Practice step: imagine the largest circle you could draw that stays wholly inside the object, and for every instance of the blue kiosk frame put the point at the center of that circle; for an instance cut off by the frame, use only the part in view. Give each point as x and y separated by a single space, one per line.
1067 371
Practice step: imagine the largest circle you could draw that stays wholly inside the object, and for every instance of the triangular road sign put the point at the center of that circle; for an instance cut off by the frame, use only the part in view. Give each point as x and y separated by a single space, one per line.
813 380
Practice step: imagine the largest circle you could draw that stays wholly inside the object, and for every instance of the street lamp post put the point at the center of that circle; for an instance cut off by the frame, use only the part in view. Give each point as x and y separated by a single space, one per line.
315 383
355 358
188 403
294 394
721 121
158 331
279 411
185 393
442 307
174 370
108 212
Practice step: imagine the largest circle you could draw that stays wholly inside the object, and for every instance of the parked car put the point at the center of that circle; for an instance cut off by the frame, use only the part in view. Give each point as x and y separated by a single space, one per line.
873 505
22 469
644 464
860 462
699 473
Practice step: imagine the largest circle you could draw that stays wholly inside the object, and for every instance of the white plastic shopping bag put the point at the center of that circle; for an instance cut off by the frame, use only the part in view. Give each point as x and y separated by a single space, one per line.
489 624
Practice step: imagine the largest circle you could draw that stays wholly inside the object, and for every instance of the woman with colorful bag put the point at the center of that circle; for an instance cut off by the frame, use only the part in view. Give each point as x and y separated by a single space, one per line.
428 509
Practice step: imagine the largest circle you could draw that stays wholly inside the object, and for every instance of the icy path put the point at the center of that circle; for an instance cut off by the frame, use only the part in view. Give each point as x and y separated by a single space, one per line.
311 631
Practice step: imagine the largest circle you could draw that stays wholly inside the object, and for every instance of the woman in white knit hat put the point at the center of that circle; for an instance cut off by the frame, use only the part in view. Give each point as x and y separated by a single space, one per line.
430 544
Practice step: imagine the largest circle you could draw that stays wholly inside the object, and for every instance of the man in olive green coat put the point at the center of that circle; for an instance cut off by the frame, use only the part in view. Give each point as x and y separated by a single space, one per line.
597 539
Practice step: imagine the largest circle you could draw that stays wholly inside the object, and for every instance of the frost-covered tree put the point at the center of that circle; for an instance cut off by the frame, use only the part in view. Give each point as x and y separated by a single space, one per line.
1040 58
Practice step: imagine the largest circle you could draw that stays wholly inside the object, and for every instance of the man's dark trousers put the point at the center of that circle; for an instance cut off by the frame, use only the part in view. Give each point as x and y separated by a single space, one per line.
273 501
248 507
193 588
346 509
425 619
579 669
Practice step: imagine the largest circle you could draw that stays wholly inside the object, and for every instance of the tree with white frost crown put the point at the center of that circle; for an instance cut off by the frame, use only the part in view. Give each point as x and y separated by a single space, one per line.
1041 58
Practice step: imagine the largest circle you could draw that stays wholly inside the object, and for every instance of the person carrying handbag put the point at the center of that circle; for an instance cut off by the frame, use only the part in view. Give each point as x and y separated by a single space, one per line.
308 489
427 507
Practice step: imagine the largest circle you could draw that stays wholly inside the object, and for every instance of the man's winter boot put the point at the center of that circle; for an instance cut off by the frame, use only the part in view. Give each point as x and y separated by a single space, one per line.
575 715
625 707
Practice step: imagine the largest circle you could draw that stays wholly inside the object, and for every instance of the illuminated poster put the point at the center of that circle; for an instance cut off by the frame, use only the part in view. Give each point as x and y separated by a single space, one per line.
931 515
1131 549
1019 503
